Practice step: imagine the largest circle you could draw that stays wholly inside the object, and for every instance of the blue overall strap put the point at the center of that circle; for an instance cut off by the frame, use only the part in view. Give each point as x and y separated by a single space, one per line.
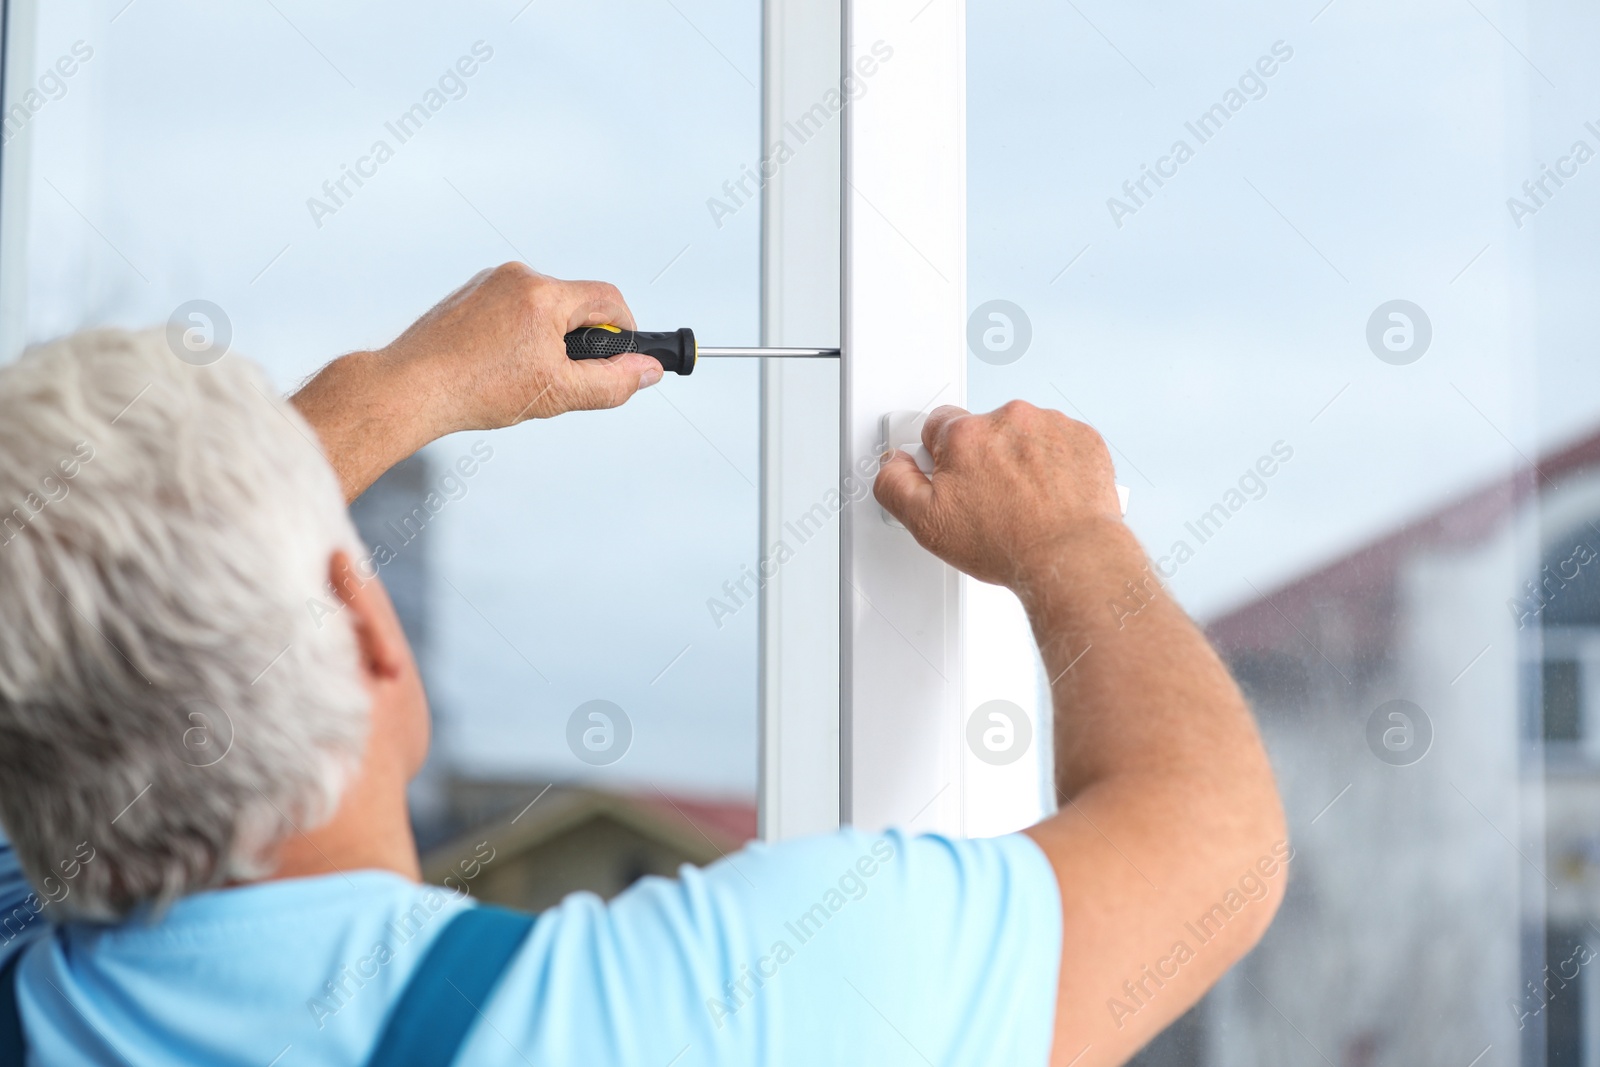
12 1047
437 1008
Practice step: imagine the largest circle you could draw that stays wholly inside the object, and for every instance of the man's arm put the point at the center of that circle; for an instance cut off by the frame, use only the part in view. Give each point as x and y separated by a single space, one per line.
1170 843
488 355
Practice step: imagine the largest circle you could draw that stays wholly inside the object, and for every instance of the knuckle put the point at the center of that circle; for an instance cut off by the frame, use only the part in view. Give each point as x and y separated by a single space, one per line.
965 426
1019 416
515 271
522 285
1019 419
962 434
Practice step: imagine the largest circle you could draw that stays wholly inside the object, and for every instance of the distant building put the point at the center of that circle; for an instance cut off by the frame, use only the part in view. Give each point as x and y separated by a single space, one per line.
527 846
1445 898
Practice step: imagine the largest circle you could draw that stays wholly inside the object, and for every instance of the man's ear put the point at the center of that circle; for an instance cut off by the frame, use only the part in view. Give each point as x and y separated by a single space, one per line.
377 627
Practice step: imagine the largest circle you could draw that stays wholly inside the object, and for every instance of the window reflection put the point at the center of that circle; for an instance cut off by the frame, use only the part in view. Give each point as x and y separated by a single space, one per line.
1409 603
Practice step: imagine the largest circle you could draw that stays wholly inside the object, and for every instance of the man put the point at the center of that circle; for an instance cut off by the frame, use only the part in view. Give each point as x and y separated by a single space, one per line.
205 781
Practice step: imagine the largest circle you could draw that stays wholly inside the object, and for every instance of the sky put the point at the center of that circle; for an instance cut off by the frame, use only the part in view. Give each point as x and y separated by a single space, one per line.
1221 321
578 563
1228 312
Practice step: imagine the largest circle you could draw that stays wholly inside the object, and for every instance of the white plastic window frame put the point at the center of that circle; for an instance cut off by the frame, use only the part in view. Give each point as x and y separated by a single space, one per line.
799 760
16 77
914 646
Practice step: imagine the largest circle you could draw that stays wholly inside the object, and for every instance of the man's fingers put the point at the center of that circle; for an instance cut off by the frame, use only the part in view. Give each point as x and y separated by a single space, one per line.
606 383
903 490
595 304
933 426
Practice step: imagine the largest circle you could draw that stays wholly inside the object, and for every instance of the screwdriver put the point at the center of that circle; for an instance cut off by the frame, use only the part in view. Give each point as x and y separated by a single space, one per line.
675 350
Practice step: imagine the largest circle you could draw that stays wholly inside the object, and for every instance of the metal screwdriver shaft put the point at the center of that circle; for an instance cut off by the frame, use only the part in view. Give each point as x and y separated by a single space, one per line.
770 353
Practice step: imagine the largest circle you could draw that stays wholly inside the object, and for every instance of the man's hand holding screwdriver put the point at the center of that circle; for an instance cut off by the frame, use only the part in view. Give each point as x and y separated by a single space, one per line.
489 355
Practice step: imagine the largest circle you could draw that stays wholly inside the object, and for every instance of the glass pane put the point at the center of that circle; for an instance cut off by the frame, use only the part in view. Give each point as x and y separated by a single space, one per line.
1323 278
323 174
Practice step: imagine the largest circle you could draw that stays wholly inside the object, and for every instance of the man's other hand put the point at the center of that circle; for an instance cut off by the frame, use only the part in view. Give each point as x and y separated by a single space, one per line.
1007 488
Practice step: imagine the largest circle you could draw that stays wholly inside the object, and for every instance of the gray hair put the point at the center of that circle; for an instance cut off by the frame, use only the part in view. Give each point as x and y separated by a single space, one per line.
166 696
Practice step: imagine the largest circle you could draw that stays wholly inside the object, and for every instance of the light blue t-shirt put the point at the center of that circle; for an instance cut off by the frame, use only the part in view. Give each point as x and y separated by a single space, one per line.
842 949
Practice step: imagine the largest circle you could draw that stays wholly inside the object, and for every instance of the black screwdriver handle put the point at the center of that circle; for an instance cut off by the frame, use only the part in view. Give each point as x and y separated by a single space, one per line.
674 350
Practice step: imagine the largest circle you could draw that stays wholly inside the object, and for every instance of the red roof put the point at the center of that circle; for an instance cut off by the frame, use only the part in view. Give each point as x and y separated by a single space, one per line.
729 819
1356 592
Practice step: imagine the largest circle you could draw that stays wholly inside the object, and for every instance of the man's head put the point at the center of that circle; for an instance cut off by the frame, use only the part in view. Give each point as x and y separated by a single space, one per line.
173 688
